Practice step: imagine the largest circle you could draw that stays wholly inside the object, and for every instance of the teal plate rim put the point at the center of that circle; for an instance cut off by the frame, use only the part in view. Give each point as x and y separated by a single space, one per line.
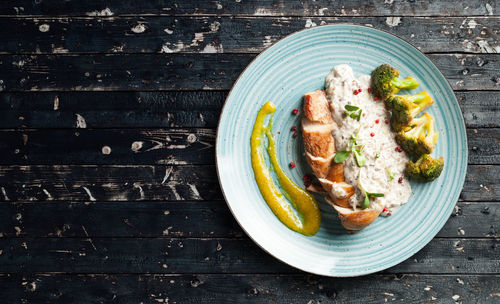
345 270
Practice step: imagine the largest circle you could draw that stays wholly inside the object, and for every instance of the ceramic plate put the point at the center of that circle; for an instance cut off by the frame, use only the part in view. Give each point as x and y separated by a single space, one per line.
298 64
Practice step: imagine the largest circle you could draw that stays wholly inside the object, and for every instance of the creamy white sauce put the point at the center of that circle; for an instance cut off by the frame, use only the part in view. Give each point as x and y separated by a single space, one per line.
374 175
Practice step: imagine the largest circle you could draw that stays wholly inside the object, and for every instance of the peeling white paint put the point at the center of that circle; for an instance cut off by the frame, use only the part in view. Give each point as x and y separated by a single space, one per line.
91 198
267 42
19 63
262 11
44 28
321 11
198 37
191 138
59 50
56 103
168 31
472 24
172 48
168 171
117 49
139 28
219 6
388 1
48 194
102 13
309 23
106 150
174 191
136 146
485 47
489 9
393 21
141 192
196 194
4 192
80 121
214 26
213 48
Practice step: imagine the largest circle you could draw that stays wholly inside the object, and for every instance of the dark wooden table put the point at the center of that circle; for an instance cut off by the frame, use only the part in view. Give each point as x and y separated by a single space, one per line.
107 178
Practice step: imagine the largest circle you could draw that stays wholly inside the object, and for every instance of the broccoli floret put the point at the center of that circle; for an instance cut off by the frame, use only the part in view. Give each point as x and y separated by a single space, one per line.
385 82
421 138
425 168
406 107
398 126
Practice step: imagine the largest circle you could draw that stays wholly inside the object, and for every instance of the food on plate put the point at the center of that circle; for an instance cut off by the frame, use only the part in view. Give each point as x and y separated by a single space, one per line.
293 206
385 82
405 107
425 168
351 149
420 138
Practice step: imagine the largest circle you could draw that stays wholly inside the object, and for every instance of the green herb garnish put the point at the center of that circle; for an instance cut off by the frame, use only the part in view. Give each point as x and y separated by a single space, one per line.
353 112
366 202
391 175
352 147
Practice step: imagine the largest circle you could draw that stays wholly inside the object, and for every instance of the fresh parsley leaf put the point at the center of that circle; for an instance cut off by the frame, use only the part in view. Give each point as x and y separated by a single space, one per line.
366 202
351 108
341 156
360 158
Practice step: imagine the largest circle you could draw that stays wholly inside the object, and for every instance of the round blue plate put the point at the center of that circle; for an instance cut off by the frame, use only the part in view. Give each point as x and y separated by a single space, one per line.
282 74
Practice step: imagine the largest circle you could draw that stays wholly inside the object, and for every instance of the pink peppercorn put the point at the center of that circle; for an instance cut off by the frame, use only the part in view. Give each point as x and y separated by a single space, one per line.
295 111
386 122
292 165
400 180
372 134
398 149
377 121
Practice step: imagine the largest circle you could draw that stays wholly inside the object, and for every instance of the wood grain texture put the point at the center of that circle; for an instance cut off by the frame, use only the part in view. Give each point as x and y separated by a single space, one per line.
249 7
173 255
229 34
261 288
183 109
124 109
163 183
109 146
183 220
189 71
157 146
109 183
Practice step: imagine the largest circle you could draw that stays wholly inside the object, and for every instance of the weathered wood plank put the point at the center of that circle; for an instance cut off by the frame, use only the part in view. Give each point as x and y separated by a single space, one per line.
157 146
480 109
206 288
217 34
249 7
484 146
166 109
153 255
109 146
188 71
108 183
141 182
120 109
183 219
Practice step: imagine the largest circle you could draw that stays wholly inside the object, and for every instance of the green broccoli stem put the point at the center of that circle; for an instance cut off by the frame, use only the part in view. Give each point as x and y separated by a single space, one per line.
405 84
417 98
